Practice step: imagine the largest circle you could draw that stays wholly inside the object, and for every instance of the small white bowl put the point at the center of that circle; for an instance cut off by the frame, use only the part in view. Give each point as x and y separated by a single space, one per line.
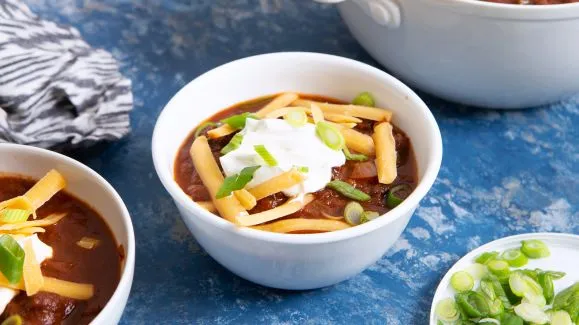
472 51
90 187
284 260
564 250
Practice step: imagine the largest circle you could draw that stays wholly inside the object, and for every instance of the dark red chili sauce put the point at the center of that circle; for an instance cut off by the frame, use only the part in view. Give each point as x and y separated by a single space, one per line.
99 266
326 200
533 2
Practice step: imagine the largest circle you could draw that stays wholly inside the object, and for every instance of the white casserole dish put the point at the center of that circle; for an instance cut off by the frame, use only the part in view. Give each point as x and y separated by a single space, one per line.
471 51
290 261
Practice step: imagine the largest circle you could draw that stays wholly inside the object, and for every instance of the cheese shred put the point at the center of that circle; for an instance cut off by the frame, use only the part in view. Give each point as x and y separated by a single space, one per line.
31 273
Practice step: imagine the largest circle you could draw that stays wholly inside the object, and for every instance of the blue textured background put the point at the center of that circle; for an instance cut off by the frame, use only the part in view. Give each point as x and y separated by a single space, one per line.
503 173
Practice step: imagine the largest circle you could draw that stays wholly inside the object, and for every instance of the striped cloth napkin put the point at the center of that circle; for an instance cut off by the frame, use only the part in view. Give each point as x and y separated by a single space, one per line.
55 90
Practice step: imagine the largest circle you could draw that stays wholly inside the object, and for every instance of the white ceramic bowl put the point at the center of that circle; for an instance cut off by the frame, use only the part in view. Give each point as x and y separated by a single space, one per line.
471 51
564 250
87 185
284 260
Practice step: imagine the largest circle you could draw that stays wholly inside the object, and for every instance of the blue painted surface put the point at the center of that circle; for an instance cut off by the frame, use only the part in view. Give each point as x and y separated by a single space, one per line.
503 172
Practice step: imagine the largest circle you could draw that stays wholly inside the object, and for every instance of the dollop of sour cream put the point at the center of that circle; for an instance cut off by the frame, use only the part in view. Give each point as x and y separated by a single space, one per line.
41 251
291 147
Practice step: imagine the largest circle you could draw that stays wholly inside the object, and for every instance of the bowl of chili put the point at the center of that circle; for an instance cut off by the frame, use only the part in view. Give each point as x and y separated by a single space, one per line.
500 54
79 231
296 125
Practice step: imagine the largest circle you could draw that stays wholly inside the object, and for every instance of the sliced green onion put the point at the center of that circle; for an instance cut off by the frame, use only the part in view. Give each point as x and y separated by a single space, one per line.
566 297
477 271
446 310
354 156
486 257
561 317
238 121
236 182
330 136
479 302
537 300
202 127
472 304
486 287
545 280
535 288
531 313
88 242
392 198
523 285
514 257
11 258
14 215
233 144
555 274
265 155
13 320
517 284
462 281
535 248
568 300
296 118
364 99
511 319
496 307
573 310
348 190
499 268
488 321
353 213
499 291
513 298
303 169
369 216
533 274
465 307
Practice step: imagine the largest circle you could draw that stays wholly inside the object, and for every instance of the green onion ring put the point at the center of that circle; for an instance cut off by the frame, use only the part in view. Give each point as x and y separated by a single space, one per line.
392 199
11 258
202 127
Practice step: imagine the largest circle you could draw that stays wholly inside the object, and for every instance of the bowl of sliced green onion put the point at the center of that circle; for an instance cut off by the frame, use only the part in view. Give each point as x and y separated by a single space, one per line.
517 280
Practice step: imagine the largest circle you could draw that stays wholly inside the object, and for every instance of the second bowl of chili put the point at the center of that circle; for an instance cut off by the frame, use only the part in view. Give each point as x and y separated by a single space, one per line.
82 237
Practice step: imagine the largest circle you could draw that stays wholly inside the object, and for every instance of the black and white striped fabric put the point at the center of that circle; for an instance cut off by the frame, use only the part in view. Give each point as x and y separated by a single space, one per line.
54 88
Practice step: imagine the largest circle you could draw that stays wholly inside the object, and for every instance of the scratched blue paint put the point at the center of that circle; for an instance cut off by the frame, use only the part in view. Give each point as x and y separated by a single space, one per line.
503 172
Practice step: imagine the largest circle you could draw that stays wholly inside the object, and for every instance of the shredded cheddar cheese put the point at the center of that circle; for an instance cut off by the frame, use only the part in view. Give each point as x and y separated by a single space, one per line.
31 273
45 188
50 220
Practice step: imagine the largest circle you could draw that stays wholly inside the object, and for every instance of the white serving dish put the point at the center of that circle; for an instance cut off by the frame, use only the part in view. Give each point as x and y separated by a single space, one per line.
471 51
90 187
564 250
284 260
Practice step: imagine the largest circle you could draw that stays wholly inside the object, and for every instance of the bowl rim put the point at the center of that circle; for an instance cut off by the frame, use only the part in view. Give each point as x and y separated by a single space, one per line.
434 159
478 2
126 276
511 6
510 12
